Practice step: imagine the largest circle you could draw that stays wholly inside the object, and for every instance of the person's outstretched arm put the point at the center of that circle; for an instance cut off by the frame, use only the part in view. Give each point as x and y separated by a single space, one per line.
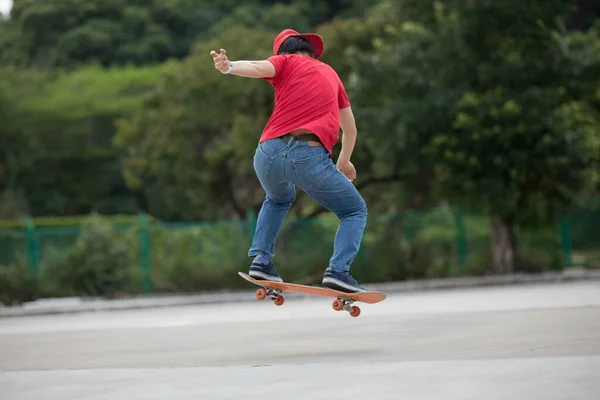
246 69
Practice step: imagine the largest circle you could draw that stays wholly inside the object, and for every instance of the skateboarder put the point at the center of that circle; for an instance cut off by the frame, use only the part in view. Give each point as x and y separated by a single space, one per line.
294 150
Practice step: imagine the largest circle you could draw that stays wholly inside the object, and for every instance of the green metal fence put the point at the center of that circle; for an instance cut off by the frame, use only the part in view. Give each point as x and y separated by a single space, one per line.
188 256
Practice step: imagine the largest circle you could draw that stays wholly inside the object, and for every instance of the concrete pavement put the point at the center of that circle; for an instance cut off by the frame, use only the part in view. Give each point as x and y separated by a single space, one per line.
517 342
78 305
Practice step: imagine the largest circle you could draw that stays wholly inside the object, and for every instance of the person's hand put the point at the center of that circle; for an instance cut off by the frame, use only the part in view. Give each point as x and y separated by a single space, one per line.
221 60
347 169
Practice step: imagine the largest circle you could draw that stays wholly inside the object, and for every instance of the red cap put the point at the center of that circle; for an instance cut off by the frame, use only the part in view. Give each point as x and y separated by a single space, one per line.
315 41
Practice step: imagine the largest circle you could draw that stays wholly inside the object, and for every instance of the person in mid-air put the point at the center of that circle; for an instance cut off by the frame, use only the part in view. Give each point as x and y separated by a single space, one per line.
311 105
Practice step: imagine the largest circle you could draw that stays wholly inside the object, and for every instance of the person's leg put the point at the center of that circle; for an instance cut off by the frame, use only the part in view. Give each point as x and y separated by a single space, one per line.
280 194
328 186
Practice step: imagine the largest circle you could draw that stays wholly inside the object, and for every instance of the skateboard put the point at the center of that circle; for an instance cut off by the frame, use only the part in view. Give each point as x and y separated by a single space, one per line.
343 301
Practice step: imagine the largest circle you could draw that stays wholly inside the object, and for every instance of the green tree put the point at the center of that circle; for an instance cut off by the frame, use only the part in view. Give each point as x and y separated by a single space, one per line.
46 34
17 142
190 147
522 144
272 17
379 60
57 141
70 33
490 97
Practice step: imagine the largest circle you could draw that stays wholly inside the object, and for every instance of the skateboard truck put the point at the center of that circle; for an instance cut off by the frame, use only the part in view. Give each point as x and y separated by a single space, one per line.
346 305
274 294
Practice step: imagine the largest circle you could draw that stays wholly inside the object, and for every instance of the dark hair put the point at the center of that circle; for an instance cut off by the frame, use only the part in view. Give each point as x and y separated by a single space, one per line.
295 44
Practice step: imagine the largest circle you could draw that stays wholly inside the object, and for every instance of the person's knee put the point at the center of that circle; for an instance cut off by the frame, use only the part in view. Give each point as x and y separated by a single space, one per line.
358 210
362 208
284 201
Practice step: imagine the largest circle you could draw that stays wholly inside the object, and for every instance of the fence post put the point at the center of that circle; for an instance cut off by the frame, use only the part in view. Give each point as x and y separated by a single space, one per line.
32 246
251 223
566 241
461 241
145 252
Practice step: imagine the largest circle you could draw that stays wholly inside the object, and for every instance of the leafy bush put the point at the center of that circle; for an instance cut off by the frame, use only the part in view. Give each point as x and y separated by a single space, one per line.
198 258
12 246
104 259
538 251
303 249
17 283
70 221
98 264
412 246
385 251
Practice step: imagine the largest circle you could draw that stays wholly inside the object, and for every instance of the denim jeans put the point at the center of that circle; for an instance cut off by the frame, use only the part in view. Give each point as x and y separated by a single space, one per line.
281 168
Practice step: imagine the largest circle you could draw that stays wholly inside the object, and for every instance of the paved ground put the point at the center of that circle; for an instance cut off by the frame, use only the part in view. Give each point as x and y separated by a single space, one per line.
524 342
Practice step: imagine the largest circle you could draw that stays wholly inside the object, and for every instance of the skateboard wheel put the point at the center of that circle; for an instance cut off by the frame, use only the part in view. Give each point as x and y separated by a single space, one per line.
261 294
337 305
355 311
278 300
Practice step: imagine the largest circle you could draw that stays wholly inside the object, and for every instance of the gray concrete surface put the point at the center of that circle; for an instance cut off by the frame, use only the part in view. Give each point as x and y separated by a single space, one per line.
518 342
78 305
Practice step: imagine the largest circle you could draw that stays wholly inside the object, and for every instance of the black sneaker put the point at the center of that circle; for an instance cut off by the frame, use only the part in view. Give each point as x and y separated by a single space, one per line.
263 269
342 281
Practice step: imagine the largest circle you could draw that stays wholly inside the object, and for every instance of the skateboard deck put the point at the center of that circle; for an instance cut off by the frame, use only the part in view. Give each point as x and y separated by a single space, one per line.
343 300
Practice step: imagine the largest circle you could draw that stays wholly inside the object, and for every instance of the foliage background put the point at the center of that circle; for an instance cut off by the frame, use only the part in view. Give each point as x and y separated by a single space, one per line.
489 109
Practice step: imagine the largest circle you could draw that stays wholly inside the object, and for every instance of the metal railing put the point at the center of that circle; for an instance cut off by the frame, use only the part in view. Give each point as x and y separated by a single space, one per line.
411 245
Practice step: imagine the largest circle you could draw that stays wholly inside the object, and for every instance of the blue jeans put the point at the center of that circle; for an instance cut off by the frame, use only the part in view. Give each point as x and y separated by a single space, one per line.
281 168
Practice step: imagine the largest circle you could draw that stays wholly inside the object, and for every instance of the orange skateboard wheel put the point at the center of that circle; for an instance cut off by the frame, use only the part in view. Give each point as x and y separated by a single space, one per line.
278 300
261 294
355 311
337 305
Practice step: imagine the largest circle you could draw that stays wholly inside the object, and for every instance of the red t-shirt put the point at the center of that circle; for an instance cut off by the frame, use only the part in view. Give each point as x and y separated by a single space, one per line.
308 95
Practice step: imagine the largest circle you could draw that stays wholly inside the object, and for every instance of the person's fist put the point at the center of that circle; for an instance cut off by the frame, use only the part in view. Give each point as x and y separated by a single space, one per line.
221 61
347 169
